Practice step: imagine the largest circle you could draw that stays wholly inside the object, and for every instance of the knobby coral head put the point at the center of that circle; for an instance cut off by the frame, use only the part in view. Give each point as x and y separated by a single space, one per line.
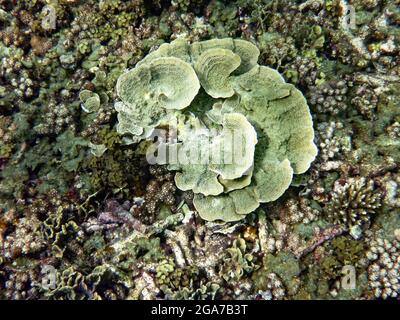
237 132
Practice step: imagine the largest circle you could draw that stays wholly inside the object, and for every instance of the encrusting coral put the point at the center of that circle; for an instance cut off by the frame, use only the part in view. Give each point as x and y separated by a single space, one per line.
217 88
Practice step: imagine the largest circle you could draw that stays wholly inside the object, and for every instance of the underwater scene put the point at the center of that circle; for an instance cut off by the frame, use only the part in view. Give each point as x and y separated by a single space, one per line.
200 150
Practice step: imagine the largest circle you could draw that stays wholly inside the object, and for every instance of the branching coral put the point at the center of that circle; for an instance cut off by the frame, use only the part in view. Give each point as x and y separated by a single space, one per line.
215 89
330 97
353 202
24 240
383 272
159 191
21 285
298 211
56 119
333 140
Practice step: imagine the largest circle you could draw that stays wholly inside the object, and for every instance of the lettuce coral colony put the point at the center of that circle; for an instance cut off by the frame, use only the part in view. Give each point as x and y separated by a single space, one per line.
217 84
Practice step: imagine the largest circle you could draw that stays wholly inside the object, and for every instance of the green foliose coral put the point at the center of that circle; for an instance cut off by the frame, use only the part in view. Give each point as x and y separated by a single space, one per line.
237 132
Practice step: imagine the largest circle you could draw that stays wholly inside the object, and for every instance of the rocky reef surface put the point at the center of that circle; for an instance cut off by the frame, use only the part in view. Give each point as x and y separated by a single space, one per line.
83 215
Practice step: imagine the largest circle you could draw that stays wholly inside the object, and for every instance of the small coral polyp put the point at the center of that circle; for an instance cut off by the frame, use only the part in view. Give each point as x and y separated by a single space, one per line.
217 86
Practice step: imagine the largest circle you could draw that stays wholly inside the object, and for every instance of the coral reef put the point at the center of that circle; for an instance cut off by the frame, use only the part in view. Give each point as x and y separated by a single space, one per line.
86 89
